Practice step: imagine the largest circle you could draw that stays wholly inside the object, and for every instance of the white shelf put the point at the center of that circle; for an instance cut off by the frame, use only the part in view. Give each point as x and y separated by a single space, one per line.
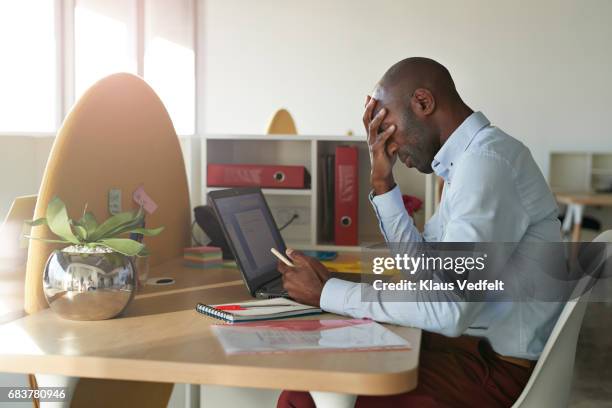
303 150
579 171
27 134
274 191
301 138
306 246
601 172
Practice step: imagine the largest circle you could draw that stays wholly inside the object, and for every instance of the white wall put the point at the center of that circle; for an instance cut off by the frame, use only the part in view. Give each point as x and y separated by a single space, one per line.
22 163
541 70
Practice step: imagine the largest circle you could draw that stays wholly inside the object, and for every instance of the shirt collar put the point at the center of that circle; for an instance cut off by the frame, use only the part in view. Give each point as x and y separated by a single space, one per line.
457 143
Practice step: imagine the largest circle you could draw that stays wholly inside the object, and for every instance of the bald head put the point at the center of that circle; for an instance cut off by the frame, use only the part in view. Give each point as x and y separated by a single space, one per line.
410 74
420 99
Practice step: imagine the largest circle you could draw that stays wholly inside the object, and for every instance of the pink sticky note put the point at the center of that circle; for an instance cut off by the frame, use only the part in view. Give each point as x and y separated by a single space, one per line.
143 199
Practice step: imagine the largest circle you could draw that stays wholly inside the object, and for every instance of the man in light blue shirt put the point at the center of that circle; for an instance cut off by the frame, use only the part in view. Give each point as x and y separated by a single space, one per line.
493 192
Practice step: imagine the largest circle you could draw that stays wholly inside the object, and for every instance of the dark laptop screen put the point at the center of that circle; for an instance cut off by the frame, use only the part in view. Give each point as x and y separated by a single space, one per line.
252 231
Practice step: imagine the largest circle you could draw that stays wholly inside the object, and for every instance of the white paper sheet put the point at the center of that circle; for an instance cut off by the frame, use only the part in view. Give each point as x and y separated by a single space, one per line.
303 335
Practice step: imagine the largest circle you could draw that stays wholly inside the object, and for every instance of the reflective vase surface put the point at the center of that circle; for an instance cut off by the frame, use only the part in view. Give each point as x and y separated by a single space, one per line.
88 284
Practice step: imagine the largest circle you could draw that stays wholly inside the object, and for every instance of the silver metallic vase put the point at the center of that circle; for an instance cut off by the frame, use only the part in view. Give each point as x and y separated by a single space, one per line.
83 283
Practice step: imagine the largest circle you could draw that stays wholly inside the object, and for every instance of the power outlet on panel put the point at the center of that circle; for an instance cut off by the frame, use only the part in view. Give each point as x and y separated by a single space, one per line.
283 214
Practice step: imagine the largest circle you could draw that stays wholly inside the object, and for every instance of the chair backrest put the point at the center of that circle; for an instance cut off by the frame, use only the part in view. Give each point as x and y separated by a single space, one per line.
118 135
551 380
13 255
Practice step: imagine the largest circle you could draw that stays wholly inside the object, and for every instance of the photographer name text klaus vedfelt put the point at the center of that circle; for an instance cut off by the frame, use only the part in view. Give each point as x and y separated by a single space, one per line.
431 285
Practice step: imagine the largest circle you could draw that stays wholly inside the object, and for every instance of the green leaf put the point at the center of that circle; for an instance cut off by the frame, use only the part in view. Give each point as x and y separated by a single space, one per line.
147 232
123 229
144 253
116 224
124 246
49 241
36 223
89 222
81 233
58 221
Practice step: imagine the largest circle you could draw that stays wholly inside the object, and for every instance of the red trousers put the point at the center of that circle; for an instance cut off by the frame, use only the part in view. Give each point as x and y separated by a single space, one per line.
453 372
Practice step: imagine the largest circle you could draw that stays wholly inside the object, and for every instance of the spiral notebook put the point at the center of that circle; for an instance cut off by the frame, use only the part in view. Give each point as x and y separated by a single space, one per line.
268 309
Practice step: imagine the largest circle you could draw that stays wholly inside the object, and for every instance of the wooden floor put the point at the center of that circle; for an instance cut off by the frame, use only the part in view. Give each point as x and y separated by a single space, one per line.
592 386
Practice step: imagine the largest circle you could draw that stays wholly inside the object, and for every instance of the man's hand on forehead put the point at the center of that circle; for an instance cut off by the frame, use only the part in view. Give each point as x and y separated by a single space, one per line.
381 158
384 124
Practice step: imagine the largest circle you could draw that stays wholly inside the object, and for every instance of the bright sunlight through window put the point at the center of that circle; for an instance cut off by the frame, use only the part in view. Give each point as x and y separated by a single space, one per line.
102 41
169 70
28 70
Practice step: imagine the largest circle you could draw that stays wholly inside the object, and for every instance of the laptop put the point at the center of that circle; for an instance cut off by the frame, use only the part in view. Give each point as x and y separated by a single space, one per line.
251 231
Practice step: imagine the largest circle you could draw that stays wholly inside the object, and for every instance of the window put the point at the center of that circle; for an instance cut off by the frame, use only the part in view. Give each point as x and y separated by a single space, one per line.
151 38
28 98
169 58
102 40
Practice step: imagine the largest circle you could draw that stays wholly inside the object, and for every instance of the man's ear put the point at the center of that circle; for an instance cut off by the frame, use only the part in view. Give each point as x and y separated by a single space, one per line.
392 147
423 102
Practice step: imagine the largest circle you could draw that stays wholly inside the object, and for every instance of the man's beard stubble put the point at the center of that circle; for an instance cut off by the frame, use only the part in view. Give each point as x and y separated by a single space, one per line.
424 143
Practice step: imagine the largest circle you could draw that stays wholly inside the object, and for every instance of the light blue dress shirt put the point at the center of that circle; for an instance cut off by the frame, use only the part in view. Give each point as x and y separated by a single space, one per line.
493 192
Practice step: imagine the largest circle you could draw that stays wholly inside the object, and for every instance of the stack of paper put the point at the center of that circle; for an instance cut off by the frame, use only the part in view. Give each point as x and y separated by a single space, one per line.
203 257
307 335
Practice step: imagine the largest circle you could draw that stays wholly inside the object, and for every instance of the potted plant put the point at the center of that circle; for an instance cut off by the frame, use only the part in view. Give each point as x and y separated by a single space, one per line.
93 276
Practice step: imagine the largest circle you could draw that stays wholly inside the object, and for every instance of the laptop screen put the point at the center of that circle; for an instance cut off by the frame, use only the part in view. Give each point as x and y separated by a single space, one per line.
249 225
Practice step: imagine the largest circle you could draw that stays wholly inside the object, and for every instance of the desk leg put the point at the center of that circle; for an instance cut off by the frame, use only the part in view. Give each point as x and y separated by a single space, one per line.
578 211
333 400
50 380
192 396
567 220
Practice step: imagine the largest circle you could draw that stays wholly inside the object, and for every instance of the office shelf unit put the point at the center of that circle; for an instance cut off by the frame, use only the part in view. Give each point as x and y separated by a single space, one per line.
582 172
306 151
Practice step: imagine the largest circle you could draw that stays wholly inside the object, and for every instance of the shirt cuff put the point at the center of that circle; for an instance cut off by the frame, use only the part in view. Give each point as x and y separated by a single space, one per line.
333 296
389 204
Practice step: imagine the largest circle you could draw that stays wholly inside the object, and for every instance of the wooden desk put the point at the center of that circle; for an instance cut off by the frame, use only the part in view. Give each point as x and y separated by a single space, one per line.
575 208
162 338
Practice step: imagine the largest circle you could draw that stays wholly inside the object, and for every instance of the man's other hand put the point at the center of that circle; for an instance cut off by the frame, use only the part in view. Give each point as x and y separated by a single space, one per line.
304 282
381 158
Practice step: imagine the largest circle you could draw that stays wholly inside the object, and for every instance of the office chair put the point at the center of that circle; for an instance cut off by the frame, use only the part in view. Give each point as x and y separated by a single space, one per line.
551 381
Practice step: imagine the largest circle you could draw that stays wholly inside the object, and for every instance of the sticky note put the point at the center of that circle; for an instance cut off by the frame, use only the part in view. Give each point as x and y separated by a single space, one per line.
142 198
114 201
